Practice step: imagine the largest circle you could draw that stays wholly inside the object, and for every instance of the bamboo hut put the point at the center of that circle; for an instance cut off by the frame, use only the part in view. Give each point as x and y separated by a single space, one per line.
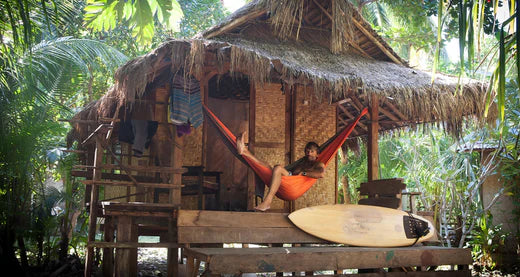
287 72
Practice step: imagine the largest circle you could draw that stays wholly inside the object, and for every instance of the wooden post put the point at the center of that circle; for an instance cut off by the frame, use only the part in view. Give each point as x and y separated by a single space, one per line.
175 198
294 95
373 137
200 192
94 194
251 177
125 265
108 253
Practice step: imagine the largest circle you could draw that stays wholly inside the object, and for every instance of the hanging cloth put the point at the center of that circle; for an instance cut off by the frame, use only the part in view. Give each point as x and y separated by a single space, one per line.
294 186
185 102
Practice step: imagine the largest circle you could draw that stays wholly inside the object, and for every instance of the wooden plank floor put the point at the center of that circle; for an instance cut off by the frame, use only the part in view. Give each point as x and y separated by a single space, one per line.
283 259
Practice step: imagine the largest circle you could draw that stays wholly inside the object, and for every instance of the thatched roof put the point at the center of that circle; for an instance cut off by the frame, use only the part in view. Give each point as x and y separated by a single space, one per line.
309 42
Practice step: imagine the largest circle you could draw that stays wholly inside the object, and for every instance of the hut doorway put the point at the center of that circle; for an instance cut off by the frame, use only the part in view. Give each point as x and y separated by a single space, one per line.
228 98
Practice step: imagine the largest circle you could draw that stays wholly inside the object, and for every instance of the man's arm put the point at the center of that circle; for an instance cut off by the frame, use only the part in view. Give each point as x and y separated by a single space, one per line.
317 172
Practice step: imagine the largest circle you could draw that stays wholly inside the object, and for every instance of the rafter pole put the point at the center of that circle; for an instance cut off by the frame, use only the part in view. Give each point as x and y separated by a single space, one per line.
376 42
351 116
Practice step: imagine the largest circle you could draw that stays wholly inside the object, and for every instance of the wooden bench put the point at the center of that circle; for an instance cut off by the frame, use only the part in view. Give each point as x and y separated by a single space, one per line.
383 193
268 229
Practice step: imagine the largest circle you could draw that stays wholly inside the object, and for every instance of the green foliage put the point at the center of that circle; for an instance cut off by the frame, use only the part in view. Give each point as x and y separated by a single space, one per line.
41 80
51 66
199 15
403 24
105 15
487 238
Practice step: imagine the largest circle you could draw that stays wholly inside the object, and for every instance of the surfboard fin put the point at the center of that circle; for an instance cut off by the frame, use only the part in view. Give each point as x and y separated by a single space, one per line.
415 228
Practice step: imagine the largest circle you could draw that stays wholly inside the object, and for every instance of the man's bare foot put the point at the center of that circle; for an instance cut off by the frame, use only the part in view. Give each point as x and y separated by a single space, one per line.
263 207
240 143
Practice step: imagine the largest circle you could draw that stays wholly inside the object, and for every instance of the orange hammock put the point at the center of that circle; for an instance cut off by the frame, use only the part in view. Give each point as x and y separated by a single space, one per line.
291 187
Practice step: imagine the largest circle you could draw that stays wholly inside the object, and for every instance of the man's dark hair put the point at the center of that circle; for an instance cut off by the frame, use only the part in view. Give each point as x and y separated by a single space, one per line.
313 145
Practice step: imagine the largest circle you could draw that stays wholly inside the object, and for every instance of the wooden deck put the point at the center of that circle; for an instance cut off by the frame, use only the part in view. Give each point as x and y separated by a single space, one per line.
292 259
275 229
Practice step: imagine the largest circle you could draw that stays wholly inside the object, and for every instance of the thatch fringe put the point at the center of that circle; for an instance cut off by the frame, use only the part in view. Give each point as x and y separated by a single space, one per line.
257 67
196 58
178 55
132 78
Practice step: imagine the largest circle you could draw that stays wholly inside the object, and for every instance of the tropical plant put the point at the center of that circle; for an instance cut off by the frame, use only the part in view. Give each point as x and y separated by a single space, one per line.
199 15
487 238
104 15
37 87
50 66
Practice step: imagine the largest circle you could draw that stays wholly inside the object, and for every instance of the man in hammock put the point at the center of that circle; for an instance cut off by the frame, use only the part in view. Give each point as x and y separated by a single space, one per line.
310 167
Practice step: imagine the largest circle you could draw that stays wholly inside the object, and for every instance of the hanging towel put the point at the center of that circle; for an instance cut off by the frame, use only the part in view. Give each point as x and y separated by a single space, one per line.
185 102
139 133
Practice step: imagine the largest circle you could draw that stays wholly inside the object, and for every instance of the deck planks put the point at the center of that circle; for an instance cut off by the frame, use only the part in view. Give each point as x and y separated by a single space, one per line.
239 227
283 259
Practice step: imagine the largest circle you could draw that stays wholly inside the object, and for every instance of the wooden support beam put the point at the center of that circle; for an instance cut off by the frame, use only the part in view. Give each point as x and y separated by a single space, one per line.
82 121
98 129
139 214
376 41
323 9
123 245
390 115
112 123
108 253
251 177
360 50
120 164
175 199
131 184
345 111
389 104
346 124
162 169
94 195
126 261
356 103
118 177
373 138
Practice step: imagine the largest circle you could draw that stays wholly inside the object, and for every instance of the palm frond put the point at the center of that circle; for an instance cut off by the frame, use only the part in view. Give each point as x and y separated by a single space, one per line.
54 63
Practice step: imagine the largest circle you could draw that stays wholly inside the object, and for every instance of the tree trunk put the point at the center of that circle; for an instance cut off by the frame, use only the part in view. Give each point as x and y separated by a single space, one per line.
23 253
8 258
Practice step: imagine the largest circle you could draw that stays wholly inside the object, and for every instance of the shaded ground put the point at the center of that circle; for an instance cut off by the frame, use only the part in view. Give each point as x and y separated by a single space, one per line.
152 262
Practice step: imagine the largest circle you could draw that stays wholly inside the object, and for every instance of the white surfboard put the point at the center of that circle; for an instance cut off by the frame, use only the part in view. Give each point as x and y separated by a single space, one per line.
362 225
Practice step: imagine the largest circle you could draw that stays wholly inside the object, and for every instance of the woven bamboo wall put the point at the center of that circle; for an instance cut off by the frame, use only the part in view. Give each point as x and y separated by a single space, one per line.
192 151
270 128
192 156
127 159
314 122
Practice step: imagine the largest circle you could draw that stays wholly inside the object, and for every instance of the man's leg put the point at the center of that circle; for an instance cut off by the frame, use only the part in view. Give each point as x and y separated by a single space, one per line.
242 150
276 180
